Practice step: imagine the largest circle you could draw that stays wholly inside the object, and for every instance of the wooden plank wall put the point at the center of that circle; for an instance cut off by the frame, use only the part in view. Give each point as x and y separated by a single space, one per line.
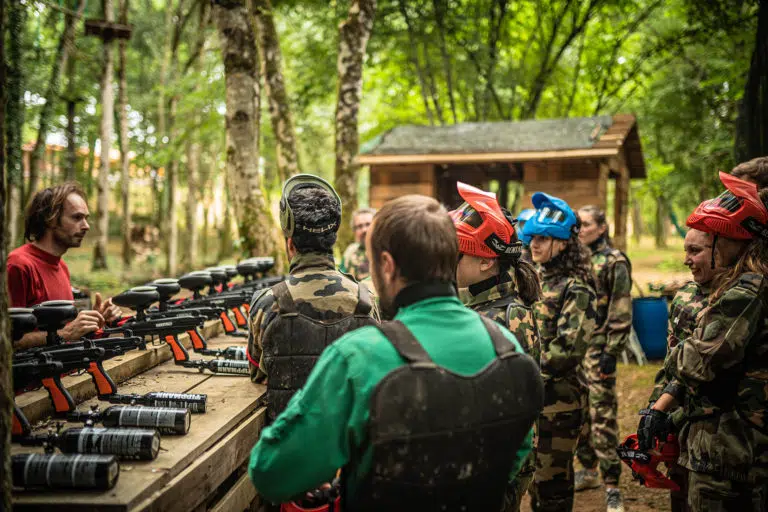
578 182
391 181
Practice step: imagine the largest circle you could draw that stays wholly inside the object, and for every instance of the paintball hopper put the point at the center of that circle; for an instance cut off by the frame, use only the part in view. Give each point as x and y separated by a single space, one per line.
644 465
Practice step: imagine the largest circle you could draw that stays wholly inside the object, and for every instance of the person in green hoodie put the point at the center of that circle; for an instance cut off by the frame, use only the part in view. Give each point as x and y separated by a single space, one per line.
494 281
432 411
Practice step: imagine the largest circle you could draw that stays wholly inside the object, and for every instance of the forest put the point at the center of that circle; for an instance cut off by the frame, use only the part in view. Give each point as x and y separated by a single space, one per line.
151 83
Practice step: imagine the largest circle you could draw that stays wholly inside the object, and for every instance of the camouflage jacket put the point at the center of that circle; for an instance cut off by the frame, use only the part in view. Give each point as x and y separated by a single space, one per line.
355 262
315 286
614 298
689 301
722 369
566 316
502 290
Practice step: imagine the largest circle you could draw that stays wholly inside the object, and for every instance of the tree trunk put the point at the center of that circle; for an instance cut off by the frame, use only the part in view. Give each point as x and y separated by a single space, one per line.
14 115
637 220
172 222
661 223
193 200
51 94
107 125
125 178
241 71
353 40
91 165
279 106
162 128
752 123
71 161
6 347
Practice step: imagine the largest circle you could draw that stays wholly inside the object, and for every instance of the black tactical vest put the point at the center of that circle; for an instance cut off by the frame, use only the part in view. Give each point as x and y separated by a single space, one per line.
293 343
442 441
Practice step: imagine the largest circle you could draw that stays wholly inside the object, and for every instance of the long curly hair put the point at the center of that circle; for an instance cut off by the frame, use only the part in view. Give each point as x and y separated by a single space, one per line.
526 278
754 258
574 260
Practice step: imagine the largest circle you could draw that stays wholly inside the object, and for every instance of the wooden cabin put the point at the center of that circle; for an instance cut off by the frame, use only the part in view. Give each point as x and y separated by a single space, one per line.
571 158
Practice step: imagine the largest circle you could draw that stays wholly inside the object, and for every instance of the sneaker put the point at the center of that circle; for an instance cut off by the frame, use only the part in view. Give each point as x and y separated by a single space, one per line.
586 479
613 501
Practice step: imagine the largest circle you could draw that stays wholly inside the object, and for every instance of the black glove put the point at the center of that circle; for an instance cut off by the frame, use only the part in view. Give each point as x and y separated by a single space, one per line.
607 363
654 425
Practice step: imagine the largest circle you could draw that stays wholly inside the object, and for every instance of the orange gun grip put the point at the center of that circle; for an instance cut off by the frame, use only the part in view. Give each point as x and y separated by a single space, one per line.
198 342
104 385
227 323
179 352
239 318
247 308
61 402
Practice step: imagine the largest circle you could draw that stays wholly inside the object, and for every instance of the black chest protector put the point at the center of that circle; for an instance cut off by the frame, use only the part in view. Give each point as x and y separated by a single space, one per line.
293 343
442 441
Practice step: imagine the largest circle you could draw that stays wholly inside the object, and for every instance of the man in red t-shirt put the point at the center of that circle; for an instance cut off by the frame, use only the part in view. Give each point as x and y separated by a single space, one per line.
56 220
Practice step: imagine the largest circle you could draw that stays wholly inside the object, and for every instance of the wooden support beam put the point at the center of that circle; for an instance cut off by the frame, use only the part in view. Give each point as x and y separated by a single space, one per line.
459 158
621 205
104 29
242 496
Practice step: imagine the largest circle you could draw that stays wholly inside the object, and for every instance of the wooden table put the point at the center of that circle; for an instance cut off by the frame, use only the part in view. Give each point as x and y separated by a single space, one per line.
198 471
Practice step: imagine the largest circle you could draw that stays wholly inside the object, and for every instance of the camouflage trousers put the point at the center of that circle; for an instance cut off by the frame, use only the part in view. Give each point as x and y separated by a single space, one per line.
517 488
557 435
678 500
710 493
600 432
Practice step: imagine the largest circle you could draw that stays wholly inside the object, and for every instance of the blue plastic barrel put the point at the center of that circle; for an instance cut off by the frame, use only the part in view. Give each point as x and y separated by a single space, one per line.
649 318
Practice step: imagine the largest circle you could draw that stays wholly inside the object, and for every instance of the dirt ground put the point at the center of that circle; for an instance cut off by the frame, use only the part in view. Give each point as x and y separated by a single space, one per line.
634 385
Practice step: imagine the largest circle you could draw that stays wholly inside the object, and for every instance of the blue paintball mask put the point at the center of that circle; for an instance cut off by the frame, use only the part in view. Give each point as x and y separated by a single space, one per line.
553 218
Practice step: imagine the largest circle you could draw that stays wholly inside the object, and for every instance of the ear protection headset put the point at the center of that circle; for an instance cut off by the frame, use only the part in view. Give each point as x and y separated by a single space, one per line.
287 220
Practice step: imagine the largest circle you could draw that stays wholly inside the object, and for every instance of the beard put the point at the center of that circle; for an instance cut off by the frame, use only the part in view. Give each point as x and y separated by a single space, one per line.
66 240
386 300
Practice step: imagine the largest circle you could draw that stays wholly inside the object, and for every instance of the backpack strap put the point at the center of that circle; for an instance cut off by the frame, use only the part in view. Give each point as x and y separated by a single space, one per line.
500 342
284 300
404 342
364 304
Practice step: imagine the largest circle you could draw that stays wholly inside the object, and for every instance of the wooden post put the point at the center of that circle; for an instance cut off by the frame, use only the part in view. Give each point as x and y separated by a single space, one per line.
621 202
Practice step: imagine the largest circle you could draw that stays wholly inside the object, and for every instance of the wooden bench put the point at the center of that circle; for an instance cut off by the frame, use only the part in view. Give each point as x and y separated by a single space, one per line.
198 471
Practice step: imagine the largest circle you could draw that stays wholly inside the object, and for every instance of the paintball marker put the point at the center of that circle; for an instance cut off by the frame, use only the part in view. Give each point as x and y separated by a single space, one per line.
126 443
64 471
197 281
167 328
192 401
219 366
165 419
644 464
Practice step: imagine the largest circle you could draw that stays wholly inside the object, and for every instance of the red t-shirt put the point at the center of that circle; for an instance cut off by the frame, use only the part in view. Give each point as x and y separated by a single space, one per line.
35 276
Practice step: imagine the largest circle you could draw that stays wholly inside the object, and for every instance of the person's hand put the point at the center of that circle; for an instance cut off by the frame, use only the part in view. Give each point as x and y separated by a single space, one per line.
107 309
654 424
607 365
86 322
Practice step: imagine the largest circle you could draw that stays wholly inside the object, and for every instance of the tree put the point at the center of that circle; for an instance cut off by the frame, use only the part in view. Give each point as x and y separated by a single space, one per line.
59 64
125 178
241 73
14 114
6 348
752 124
353 40
107 125
274 83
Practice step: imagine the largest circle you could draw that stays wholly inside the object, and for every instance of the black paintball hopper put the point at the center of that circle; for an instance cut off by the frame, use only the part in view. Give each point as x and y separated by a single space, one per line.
167 288
195 281
137 298
23 320
54 314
